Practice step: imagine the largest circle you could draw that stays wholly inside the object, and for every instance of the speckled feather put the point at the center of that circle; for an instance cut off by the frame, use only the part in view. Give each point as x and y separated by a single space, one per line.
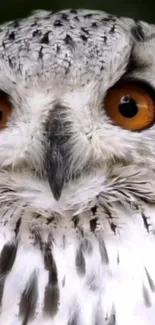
61 44
77 193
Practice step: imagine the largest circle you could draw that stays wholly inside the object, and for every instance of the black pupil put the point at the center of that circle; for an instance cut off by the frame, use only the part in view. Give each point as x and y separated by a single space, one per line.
128 107
1 115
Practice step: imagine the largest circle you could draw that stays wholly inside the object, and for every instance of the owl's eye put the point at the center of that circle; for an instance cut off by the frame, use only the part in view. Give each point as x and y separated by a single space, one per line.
5 109
130 105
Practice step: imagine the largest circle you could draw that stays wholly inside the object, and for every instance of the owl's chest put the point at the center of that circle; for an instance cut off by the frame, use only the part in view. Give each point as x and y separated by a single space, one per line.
93 269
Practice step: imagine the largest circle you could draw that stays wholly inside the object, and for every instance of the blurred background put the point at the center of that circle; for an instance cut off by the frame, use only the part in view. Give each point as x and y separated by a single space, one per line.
138 9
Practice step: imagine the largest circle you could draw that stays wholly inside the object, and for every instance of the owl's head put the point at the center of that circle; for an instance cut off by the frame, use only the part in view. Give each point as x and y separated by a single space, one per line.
77 94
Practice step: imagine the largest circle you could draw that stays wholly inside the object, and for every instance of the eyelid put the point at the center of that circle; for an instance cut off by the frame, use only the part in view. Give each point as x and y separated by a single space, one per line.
4 95
139 82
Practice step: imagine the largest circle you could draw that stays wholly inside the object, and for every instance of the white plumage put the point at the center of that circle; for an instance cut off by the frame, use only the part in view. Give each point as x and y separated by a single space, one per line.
77 192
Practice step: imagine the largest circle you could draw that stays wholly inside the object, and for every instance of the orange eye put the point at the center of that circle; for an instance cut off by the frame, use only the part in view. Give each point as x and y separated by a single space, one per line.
131 106
5 109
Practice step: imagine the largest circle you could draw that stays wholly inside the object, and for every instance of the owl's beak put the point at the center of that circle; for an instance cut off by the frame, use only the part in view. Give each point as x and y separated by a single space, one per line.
55 169
56 152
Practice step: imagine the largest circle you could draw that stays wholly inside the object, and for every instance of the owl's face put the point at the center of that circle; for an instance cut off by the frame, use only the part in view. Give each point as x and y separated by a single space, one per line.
72 88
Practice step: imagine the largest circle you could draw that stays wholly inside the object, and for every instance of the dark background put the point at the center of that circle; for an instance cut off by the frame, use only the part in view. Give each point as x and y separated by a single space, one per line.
138 9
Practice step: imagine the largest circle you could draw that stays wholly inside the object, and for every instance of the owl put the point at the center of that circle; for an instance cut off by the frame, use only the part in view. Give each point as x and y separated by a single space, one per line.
77 170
